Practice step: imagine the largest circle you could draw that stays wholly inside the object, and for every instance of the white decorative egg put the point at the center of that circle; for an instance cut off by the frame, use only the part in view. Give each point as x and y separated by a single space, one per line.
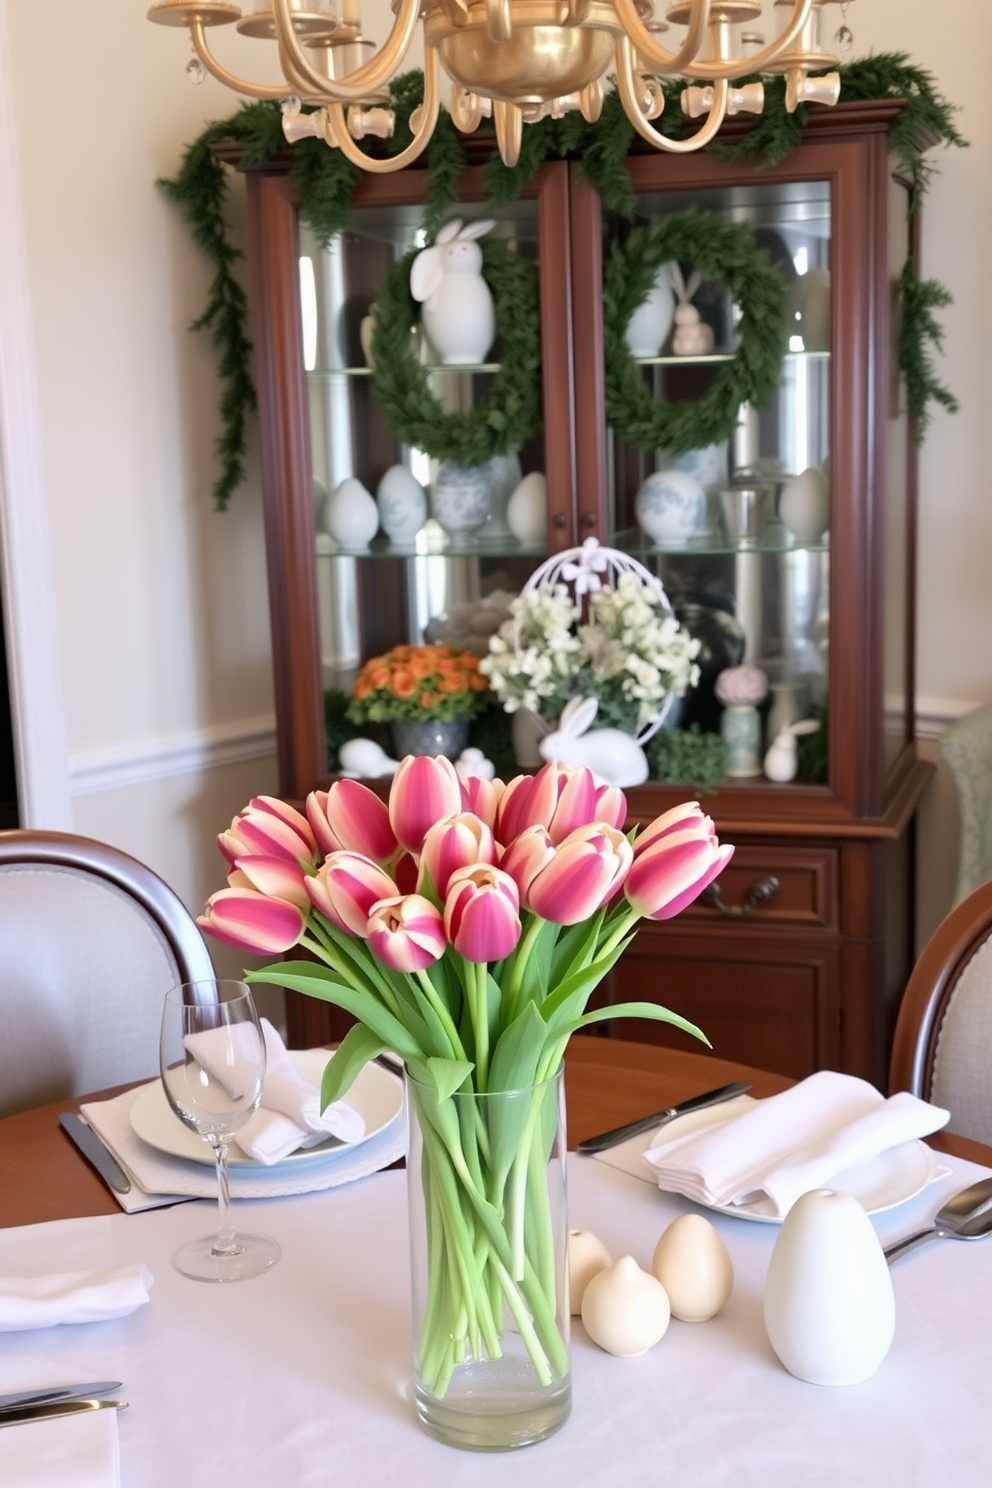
350 515
693 1265
402 504
671 507
527 510
829 1305
587 1256
804 505
625 1310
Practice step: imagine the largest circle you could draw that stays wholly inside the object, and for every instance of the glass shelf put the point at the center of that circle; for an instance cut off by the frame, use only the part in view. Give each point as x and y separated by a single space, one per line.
776 540
432 544
322 374
670 360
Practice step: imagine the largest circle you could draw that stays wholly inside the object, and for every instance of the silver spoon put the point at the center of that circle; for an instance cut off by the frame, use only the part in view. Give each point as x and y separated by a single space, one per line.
965 1216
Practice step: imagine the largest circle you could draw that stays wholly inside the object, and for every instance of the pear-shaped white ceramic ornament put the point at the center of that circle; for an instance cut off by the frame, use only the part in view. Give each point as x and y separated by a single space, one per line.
527 511
829 1306
350 515
694 1266
402 504
625 1310
587 1256
804 505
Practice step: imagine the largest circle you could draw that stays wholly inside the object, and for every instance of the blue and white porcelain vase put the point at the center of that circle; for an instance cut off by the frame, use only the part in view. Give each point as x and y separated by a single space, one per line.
740 729
460 501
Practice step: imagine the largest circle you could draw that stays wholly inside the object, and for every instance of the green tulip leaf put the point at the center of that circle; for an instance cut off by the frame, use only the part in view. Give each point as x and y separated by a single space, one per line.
515 1057
448 1075
358 1046
630 1010
315 981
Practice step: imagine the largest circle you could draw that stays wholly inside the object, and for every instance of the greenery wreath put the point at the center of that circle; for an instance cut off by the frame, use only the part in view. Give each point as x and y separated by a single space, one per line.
511 413
727 254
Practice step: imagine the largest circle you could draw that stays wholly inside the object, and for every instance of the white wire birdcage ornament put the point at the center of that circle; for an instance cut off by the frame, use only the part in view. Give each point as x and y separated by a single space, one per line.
586 570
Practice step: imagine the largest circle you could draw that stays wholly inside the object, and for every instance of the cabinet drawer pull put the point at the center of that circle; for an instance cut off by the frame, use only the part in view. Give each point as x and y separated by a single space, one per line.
758 894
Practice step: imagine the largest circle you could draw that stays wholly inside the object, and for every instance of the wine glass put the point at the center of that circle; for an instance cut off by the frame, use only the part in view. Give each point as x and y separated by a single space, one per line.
212 1056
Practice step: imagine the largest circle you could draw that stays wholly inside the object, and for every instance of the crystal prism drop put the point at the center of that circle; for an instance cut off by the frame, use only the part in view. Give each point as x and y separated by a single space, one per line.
195 70
844 39
291 106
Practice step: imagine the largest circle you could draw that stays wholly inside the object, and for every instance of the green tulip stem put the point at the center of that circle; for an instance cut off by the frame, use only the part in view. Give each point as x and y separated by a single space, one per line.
618 928
475 990
521 955
444 1017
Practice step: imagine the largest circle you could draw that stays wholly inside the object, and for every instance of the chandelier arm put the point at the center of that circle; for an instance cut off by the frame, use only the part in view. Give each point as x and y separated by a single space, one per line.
651 52
358 84
338 135
229 79
659 60
626 59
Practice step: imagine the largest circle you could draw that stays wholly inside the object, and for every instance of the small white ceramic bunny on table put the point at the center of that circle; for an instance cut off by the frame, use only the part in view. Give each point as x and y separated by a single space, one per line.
458 315
782 759
614 758
693 337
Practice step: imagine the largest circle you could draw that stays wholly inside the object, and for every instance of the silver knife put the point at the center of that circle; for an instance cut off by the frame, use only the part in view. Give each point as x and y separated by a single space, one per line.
53 1408
56 1392
661 1118
95 1153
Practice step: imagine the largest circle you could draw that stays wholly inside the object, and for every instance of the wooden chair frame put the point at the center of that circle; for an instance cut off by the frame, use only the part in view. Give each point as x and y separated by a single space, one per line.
931 987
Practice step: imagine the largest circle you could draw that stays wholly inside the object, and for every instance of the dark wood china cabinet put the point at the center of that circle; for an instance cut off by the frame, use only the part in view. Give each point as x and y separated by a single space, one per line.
798 962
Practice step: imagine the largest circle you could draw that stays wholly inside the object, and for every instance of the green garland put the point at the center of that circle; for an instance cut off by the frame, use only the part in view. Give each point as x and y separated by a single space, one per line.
510 414
727 254
324 181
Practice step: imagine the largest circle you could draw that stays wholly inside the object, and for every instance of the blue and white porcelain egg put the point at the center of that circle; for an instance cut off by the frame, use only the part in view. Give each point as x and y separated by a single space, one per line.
671 507
402 504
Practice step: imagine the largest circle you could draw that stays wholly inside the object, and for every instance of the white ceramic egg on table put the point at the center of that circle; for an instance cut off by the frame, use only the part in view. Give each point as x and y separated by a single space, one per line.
804 505
350 515
625 1310
829 1305
694 1266
670 507
527 511
587 1256
402 504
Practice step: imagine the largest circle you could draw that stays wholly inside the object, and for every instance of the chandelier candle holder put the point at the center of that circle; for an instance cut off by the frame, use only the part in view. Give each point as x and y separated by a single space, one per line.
514 61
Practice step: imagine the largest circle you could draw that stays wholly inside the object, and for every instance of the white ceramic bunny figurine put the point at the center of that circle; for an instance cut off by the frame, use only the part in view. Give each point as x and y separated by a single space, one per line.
614 758
458 315
693 337
782 759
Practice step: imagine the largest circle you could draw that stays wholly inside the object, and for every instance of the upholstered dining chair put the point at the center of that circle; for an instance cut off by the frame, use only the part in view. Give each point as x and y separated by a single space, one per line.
966 748
943 1041
90 941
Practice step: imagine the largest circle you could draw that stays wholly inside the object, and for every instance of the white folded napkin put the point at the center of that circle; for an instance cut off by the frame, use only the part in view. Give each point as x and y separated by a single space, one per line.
66 1452
290 1116
780 1148
71 1297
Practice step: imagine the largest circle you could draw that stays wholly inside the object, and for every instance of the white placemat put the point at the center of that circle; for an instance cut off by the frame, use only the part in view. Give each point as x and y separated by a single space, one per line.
158 1179
71 1452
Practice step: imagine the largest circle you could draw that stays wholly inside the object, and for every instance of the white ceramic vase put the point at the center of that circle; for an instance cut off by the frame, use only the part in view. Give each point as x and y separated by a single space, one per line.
350 515
829 1305
671 508
651 322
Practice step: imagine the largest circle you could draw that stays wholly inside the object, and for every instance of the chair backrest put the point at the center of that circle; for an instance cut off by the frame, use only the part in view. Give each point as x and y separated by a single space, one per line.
966 748
943 1040
90 941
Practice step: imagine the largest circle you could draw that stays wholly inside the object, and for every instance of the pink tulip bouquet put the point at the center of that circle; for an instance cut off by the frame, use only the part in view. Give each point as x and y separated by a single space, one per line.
464 925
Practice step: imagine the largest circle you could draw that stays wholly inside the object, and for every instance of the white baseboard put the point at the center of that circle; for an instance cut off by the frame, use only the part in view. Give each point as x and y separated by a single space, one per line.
934 714
95 771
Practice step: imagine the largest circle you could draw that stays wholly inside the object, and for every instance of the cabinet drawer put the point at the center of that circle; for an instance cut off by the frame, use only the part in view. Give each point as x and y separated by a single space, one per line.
805 899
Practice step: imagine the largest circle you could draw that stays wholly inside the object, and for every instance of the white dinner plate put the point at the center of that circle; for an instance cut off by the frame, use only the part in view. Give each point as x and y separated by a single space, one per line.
376 1095
882 1183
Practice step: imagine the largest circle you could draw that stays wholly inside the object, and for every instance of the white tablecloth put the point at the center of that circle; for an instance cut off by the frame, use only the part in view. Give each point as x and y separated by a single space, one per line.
303 1376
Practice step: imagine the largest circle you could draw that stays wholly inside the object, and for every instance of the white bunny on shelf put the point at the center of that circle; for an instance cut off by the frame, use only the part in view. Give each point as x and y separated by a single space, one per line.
459 315
614 758
693 337
782 759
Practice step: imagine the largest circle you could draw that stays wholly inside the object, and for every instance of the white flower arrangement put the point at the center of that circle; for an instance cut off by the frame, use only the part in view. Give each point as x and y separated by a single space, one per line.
623 646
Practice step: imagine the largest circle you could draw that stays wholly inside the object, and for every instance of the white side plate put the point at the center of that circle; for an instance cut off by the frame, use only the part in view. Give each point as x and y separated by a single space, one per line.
376 1095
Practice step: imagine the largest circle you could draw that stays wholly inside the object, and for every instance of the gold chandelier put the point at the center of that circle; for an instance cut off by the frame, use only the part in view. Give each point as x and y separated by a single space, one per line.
515 61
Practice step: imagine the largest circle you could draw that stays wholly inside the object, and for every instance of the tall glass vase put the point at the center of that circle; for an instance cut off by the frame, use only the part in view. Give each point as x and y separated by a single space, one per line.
488 1236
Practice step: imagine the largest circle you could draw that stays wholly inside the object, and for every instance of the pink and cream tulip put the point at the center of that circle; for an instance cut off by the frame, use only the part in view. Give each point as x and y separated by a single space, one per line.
483 797
345 888
252 921
351 818
675 867
482 913
525 857
406 933
456 843
688 815
277 878
585 872
425 789
270 828
559 798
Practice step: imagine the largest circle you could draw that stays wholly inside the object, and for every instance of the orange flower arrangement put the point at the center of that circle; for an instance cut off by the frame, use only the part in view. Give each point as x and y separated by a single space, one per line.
418 682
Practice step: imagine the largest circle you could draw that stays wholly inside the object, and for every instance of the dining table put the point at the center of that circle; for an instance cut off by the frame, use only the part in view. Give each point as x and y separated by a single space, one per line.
304 1375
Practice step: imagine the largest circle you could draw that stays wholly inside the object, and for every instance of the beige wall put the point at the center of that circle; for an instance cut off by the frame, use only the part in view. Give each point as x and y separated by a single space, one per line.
162 627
